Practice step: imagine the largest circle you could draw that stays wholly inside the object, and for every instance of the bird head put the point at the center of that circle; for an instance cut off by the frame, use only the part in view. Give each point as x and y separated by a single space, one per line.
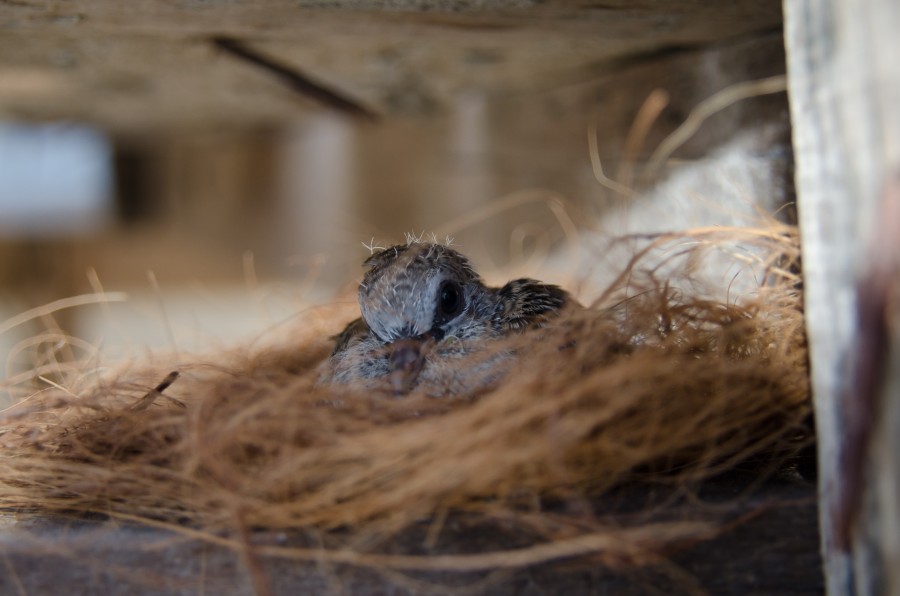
418 291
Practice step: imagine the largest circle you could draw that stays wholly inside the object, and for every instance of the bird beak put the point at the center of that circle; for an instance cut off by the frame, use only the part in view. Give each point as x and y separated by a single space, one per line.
407 360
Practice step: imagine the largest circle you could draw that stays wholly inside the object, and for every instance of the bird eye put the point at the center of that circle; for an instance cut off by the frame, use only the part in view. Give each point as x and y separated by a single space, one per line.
450 300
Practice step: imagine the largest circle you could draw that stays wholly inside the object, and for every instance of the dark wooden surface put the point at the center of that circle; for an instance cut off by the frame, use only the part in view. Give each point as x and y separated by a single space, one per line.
768 546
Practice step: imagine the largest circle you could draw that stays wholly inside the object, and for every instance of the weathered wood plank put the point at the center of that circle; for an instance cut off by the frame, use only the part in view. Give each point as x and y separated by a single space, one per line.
770 550
844 90
154 65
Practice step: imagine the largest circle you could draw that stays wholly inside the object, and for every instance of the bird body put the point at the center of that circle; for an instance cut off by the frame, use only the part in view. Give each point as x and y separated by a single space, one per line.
428 323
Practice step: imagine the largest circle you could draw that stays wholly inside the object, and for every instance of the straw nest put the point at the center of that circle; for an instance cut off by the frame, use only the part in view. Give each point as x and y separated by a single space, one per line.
648 384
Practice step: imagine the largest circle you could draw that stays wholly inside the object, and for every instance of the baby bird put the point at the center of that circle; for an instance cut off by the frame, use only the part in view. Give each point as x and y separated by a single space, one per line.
424 308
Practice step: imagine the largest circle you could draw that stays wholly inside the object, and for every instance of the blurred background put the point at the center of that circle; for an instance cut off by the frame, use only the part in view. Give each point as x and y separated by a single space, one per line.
217 166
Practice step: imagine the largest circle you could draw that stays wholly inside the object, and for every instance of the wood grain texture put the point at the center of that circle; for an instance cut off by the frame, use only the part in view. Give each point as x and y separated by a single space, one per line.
769 549
844 89
154 64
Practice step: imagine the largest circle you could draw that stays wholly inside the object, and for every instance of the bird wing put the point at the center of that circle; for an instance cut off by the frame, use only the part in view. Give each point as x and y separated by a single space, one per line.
523 302
354 331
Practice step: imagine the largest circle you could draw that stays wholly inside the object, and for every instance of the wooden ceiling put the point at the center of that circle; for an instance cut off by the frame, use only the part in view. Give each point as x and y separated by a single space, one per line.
142 65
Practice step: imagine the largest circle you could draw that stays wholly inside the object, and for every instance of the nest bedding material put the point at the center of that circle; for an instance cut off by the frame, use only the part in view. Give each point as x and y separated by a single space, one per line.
649 383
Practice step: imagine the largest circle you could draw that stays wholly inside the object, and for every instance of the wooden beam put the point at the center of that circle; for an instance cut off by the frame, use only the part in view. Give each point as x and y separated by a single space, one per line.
844 87
187 65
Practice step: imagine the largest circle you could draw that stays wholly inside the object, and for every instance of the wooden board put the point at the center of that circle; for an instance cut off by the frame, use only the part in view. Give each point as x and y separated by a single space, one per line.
147 64
844 91
769 549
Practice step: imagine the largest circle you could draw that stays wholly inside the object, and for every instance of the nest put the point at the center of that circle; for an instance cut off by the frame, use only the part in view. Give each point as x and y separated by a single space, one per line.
649 384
